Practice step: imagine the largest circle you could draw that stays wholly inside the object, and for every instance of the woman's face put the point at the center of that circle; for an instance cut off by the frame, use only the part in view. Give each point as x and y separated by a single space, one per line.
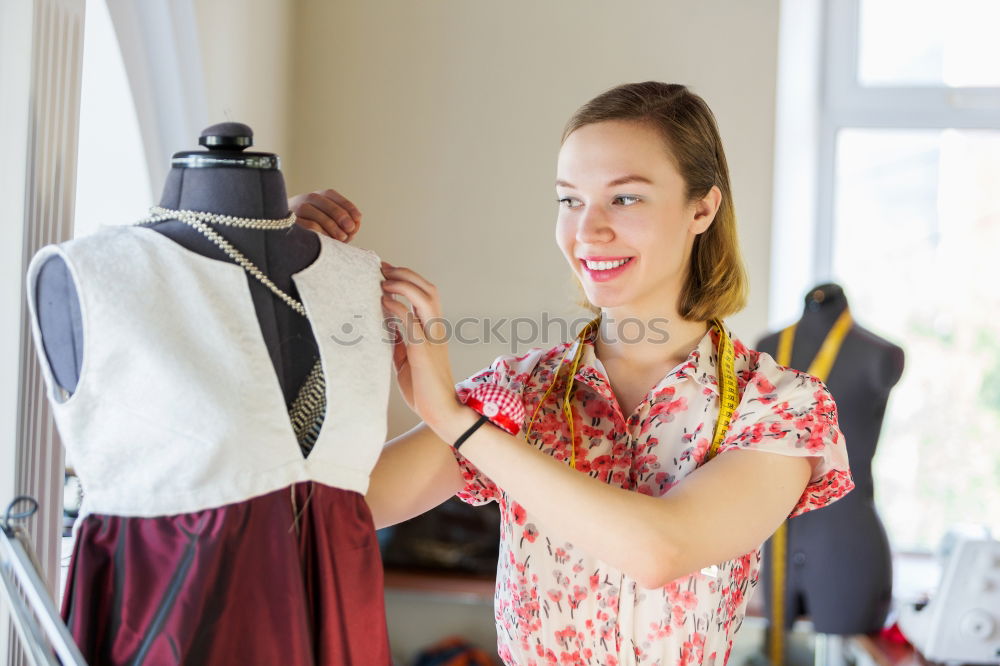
622 199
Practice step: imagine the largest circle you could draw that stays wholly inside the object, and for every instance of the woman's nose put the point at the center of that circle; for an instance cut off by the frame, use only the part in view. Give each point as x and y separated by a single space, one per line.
593 225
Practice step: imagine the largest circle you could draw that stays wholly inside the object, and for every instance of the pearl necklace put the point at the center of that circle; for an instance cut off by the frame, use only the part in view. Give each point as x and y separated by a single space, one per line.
198 219
158 214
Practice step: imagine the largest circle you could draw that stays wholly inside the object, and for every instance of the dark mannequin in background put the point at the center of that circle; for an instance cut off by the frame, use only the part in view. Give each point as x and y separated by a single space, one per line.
240 191
839 569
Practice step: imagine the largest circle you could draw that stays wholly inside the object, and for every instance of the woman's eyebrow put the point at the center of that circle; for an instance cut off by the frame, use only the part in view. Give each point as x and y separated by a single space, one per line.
631 178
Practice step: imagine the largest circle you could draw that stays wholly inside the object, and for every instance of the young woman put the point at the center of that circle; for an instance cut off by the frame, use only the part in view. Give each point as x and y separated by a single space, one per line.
634 502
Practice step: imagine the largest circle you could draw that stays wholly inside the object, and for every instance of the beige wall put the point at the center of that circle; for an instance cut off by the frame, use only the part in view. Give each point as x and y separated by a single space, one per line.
441 120
246 48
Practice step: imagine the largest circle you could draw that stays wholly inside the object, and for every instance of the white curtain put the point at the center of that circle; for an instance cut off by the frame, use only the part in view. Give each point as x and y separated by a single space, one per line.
160 49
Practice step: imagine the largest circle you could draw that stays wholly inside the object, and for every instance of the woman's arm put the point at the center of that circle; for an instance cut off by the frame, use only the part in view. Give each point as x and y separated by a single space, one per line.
415 473
722 510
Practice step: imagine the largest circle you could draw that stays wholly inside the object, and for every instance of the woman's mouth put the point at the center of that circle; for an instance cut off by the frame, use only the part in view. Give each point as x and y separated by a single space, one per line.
605 269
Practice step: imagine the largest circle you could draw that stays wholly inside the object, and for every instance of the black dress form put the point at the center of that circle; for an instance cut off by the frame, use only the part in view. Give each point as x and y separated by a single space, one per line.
839 566
240 191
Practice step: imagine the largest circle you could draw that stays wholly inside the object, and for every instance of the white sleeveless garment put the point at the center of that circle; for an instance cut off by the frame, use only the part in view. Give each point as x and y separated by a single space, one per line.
178 407
205 535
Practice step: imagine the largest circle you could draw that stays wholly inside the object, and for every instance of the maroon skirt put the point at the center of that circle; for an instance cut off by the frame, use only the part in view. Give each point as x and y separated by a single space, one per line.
245 583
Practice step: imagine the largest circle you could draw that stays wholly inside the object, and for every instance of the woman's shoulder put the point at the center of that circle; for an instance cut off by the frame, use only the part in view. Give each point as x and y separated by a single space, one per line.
532 360
762 364
765 382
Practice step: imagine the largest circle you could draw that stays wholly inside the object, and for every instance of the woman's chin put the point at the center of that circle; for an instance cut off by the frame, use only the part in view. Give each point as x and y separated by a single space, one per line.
604 300
604 295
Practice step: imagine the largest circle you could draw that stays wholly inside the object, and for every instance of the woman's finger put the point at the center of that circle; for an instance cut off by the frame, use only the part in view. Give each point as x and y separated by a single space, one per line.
423 295
398 319
395 315
406 321
424 305
413 292
310 225
335 211
334 214
311 217
404 273
344 203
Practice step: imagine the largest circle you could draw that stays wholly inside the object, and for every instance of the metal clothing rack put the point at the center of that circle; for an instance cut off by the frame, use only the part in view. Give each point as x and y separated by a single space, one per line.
44 636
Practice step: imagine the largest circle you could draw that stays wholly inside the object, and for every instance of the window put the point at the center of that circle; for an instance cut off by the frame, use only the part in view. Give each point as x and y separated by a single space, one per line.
909 223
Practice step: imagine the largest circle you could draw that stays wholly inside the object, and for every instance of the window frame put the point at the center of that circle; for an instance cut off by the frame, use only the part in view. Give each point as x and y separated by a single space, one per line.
840 101
846 104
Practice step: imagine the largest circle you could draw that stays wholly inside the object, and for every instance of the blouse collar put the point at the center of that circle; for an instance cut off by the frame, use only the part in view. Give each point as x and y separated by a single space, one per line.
699 365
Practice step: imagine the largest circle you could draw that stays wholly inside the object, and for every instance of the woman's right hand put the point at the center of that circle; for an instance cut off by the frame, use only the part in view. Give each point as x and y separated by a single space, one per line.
327 212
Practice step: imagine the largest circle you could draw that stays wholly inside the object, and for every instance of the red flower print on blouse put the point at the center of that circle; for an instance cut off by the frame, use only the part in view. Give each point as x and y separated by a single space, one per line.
530 533
555 603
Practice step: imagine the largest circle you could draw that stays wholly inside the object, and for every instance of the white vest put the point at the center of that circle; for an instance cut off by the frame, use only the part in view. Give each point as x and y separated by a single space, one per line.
178 407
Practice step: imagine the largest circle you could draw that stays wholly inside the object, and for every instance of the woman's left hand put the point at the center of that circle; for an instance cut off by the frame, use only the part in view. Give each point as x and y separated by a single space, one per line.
420 348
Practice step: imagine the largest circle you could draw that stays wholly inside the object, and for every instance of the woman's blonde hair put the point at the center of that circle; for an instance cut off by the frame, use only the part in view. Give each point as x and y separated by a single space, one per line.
716 283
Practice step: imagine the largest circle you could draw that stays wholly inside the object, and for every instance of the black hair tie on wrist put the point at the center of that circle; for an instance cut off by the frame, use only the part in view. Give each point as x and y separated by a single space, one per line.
472 429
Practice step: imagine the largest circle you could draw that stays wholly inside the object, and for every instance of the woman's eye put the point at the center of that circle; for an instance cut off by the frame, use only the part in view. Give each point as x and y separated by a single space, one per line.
627 199
567 201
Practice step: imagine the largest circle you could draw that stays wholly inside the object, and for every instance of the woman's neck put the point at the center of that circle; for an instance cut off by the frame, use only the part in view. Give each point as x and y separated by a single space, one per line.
647 339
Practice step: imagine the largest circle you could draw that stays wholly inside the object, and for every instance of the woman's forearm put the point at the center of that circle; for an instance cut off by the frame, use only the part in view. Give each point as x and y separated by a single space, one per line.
612 524
701 521
415 472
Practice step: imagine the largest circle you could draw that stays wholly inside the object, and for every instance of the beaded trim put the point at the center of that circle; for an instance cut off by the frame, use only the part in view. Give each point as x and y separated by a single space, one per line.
308 410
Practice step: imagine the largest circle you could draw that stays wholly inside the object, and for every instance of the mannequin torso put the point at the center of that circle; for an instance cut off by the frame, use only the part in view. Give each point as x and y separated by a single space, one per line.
839 568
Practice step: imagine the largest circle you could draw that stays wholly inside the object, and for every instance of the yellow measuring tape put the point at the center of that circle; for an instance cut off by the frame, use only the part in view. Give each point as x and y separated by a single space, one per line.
727 386
820 369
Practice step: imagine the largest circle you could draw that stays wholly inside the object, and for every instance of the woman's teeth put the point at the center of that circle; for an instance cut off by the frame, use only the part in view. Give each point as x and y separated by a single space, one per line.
605 265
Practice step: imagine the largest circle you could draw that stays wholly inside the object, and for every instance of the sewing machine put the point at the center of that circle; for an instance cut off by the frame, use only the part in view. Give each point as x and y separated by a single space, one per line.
961 622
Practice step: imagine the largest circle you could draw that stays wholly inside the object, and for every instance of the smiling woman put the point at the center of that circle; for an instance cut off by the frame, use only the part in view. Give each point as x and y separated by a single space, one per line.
636 479
654 121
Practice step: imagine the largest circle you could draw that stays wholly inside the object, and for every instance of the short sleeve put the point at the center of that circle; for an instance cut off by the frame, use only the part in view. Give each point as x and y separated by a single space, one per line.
504 380
792 413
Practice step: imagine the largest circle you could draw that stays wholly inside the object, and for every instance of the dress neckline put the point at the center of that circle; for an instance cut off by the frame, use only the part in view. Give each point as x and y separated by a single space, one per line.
226 262
261 344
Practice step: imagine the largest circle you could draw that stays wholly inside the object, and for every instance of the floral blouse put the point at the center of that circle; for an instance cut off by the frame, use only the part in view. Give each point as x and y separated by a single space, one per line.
555 604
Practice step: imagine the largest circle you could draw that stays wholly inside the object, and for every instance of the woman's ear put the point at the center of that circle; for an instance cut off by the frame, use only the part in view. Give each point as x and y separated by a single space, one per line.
705 210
